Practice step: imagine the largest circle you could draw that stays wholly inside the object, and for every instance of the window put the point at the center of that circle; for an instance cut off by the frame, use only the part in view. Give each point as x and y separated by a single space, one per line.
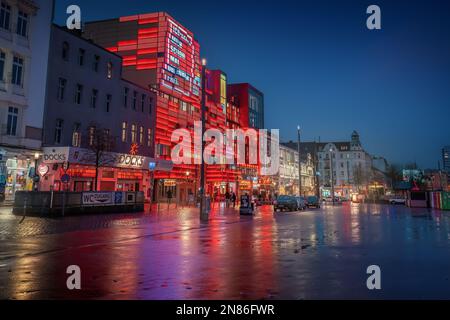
81 54
141 135
91 135
17 71
143 102
65 51
125 97
135 100
61 88
94 98
78 94
150 104
22 23
109 70
106 139
133 133
2 65
96 63
183 106
124 132
76 135
149 138
11 127
5 15
59 131
108 102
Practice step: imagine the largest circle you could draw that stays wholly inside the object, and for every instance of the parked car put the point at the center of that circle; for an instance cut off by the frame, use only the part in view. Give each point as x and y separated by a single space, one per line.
330 200
286 203
301 203
313 201
397 200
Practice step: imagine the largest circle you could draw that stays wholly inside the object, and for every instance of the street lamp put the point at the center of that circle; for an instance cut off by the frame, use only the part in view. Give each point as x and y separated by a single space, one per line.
36 158
331 175
299 164
203 212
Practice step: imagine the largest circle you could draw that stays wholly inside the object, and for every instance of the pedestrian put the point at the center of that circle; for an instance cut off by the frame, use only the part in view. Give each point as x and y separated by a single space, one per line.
227 199
233 199
169 197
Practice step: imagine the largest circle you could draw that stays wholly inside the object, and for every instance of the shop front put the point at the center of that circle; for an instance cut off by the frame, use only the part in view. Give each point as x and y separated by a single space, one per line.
74 169
17 171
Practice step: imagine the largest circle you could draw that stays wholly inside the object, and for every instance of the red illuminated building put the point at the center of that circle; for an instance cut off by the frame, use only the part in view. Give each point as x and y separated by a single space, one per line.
158 52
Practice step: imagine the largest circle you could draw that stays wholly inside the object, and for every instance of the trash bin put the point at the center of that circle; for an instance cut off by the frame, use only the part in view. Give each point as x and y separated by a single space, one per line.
247 206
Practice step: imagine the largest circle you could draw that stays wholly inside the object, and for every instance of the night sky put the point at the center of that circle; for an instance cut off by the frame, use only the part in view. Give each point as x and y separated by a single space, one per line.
320 67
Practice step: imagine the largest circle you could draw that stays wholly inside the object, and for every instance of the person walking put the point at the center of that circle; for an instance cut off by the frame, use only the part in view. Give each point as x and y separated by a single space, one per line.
227 199
169 197
233 199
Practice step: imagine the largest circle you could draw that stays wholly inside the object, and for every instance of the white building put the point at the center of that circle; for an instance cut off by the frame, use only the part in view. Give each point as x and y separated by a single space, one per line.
288 183
24 47
351 167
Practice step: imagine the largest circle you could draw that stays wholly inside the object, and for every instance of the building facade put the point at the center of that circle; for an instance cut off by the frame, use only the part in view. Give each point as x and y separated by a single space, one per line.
288 183
24 47
446 158
348 164
251 103
160 53
102 125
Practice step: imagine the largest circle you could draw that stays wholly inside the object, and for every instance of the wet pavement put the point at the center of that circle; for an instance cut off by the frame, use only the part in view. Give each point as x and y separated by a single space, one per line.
169 254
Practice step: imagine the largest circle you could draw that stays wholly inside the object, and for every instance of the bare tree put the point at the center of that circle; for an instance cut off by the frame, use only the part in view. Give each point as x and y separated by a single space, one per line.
359 176
100 143
394 175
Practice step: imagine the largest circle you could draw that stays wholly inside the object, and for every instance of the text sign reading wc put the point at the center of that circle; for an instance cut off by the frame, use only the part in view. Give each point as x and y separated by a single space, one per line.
98 198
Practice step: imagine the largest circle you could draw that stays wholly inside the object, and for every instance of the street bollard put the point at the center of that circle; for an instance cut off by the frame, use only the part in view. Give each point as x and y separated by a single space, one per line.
63 203
24 211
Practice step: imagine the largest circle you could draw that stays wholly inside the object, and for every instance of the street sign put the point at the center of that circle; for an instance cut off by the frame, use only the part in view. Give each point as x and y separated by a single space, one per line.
66 166
65 178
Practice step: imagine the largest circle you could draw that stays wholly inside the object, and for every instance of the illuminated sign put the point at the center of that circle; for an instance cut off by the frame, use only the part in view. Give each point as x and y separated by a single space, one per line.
177 52
174 60
170 183
130 161
43 169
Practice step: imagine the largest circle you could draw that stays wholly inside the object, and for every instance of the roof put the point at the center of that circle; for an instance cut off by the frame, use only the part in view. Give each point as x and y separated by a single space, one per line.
77 34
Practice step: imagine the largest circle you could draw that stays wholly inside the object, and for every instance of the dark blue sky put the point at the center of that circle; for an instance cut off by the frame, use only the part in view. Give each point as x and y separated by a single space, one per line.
320 67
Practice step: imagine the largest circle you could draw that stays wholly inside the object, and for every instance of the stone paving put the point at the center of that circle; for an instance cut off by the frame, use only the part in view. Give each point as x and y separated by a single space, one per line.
315 254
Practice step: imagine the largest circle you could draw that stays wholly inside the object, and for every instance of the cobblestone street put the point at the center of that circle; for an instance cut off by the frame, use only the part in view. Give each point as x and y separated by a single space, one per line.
169 254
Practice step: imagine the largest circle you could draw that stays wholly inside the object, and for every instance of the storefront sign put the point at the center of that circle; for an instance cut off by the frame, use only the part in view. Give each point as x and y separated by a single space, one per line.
170 183
56 155
118 198
98 198
127 161
79 156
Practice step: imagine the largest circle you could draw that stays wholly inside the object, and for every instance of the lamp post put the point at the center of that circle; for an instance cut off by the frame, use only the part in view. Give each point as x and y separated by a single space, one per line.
203 212
299 164
331 175
36 158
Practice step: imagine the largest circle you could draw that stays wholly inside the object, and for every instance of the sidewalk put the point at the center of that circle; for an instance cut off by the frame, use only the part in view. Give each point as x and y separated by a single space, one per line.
12 226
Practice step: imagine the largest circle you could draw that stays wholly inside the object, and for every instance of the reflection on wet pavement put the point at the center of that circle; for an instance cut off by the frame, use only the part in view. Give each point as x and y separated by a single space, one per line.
316 254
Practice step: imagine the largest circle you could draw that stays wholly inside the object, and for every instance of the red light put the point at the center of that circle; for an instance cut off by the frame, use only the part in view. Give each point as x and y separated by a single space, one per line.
127 43
147 51
129 18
